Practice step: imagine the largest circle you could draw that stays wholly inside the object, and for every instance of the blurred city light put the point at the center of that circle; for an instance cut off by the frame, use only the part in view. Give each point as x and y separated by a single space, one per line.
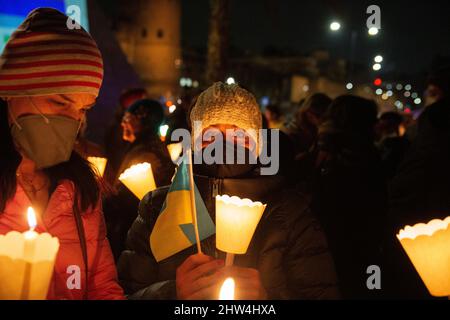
417 101
377 82
373 31
185 82
379 91
265 101
376 67
230 80
408 87
349 86
335 26
163 130
378 59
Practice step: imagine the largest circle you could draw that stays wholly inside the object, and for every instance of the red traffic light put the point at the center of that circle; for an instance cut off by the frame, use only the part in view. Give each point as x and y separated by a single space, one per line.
377 82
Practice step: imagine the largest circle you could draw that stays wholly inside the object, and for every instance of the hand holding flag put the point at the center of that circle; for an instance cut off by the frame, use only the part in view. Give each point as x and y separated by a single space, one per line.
175 229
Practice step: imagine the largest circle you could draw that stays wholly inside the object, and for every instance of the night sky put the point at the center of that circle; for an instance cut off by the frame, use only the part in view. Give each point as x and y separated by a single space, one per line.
412 32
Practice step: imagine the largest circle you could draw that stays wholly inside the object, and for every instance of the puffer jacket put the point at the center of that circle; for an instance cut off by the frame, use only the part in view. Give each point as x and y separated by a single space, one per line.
289 248
58 220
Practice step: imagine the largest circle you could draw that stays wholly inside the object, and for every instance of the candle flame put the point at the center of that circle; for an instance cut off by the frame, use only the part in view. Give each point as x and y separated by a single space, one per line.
31 217
227 290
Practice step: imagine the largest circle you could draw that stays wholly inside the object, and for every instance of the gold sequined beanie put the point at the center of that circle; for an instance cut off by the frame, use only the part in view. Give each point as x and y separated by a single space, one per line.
227 104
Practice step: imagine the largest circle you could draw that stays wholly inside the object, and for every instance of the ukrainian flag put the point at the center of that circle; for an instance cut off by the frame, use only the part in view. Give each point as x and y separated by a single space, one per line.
174 229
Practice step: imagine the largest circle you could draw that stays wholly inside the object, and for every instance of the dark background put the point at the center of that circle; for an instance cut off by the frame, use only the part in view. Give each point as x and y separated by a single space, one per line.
412 32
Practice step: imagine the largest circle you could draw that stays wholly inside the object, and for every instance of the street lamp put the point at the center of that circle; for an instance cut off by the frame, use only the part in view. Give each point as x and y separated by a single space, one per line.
376 67
230 81
373 31
378 59
335 26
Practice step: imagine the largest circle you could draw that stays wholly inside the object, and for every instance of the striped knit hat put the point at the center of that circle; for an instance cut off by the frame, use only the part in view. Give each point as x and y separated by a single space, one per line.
43 56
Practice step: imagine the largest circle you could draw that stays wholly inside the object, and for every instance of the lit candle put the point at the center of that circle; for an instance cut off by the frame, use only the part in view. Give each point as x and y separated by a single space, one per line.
428 248
175 150
98 163
26 262
227 290
139 179
236 222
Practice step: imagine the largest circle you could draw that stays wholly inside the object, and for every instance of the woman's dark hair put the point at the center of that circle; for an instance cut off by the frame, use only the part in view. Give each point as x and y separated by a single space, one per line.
353 114
131 94
77 170
150 113
318 104
274 109
392 121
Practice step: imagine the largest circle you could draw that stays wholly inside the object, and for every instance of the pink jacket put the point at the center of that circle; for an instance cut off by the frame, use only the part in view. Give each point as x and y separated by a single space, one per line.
58 220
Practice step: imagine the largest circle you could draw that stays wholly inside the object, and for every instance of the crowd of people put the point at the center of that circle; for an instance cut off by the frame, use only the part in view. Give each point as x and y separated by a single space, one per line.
349 179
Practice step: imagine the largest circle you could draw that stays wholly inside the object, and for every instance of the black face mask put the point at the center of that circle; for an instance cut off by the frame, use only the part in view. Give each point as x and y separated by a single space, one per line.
222 169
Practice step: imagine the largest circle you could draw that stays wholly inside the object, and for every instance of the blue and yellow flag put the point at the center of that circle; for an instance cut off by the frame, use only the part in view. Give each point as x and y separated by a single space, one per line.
174 229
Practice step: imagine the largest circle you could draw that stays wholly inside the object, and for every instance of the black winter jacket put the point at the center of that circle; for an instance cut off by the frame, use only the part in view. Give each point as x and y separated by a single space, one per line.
289 248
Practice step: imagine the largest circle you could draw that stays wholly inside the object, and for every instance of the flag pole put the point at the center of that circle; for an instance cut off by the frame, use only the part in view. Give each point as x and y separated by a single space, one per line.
193 206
